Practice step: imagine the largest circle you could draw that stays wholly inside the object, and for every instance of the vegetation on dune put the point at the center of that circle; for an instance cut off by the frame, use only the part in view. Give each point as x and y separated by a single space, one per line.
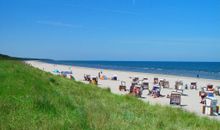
33 99
5 57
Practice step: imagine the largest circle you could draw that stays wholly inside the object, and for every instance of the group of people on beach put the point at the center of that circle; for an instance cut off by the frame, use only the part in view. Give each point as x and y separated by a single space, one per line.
104 77
138 86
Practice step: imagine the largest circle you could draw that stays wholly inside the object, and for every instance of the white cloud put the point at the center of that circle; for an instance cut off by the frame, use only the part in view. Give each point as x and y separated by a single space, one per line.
58 24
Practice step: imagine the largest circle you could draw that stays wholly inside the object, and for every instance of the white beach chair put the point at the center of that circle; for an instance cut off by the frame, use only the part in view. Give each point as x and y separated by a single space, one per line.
179 86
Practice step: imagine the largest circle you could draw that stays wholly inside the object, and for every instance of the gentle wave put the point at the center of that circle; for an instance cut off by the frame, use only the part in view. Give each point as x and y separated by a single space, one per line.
209 70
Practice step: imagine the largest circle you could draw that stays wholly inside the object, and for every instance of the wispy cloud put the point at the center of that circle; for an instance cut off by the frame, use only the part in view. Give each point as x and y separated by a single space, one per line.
172 41
188 40
121 12
58 24
115 11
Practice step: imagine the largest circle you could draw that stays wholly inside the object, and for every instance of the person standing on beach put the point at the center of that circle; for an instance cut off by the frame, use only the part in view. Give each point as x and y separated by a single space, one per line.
99 74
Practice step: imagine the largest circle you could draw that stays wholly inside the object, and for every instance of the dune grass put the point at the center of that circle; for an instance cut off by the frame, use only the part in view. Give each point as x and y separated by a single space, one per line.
33 99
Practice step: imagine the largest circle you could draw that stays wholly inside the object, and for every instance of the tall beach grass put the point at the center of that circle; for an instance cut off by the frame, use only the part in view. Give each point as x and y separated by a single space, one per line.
33 99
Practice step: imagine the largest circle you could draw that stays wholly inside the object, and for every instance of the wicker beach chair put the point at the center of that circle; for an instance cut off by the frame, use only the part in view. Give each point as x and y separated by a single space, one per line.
175 98
193 85
179 86
156 80
217 90
156 91
137 91
145 84
87 77
122 86
163 83
94 80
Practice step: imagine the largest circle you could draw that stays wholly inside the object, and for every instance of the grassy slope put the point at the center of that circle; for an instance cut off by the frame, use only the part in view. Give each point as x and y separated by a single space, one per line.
32 99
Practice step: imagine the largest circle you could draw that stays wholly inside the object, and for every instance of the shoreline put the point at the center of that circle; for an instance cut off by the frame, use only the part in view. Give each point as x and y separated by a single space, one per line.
156 74
171 72
134 72
191 102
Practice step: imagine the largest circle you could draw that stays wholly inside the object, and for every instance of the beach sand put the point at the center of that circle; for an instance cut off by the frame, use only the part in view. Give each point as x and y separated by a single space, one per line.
191 102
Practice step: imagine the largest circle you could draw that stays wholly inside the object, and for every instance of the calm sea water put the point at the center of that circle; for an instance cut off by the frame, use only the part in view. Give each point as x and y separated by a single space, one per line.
210 70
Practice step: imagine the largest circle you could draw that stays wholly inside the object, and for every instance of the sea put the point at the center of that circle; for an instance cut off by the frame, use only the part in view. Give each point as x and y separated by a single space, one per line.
208 70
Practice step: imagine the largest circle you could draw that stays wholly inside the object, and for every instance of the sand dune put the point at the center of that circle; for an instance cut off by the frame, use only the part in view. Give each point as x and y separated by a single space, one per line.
191 102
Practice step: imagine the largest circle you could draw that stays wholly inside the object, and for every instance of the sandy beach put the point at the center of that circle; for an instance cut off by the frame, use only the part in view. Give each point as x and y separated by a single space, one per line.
190 102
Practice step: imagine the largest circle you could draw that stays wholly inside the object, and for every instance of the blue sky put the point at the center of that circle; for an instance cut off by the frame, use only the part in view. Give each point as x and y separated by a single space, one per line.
155 30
